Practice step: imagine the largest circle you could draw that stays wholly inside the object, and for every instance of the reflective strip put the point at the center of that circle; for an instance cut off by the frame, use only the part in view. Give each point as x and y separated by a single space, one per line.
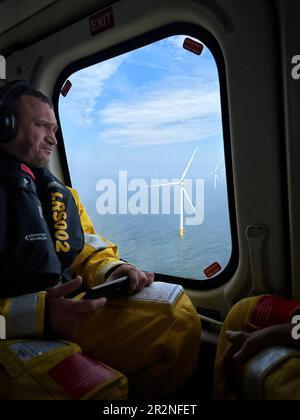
95 241
21 318
100 276
260 366
28 350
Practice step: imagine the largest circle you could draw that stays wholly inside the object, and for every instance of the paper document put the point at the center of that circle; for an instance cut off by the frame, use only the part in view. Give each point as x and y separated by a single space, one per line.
159 292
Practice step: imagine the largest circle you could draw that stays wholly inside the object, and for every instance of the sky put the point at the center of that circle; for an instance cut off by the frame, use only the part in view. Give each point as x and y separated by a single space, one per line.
144 112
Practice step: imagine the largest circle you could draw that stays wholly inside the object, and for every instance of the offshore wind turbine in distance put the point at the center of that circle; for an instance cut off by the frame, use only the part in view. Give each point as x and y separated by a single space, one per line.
183 193
215 173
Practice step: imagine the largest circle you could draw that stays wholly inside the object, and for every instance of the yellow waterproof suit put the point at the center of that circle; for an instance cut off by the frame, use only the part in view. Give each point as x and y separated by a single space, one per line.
154 342
273 374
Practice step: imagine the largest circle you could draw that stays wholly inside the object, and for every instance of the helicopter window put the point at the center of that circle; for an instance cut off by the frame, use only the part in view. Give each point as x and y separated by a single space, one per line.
144 139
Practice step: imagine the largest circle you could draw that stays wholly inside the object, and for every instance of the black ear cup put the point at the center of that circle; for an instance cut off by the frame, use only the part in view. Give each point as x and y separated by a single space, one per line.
8 117
8 124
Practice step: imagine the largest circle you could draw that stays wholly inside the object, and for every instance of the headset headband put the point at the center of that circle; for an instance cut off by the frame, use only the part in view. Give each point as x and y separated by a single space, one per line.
6 90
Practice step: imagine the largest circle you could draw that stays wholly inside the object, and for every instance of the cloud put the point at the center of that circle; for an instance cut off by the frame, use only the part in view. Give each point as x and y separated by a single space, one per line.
164 115
178 100
87 87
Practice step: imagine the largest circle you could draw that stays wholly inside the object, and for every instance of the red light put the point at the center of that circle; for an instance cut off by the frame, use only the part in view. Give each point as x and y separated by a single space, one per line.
193 46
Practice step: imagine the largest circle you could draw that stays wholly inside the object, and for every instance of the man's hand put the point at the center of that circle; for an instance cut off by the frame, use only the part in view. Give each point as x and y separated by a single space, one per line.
245 345
64 314
137 278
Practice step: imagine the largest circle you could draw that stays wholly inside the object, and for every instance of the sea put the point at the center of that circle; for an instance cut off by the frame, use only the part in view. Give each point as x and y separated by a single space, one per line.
152 241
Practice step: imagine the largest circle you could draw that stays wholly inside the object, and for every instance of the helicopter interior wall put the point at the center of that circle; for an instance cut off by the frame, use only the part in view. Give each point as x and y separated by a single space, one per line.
248 35
289 13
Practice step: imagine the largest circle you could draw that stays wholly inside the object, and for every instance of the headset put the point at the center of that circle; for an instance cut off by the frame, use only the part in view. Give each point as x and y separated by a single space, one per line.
8 117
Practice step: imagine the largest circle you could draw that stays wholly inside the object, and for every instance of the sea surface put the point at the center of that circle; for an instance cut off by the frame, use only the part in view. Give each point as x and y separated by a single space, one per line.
152 242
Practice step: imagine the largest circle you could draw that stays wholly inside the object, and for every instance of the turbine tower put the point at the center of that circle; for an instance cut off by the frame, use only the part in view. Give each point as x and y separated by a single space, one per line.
183 193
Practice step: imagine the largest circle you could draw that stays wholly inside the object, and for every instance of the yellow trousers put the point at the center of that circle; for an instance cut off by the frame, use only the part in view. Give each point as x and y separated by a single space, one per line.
150 345
32 369
154 344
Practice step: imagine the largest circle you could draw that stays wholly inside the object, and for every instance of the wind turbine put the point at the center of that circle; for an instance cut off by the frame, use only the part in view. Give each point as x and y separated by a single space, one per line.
183 192
215 174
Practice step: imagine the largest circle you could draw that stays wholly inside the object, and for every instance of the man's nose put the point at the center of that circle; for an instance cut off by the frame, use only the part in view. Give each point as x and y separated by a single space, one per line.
52 139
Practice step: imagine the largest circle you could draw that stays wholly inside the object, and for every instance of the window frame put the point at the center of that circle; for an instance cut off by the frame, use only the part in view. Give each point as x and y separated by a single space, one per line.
140 41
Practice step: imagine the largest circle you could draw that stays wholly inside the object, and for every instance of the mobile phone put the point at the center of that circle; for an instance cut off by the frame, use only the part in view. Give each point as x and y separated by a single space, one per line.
111 290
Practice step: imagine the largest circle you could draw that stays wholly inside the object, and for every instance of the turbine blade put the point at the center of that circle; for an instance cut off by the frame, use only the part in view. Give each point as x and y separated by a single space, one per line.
161 185
189 200
217 166
189 164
